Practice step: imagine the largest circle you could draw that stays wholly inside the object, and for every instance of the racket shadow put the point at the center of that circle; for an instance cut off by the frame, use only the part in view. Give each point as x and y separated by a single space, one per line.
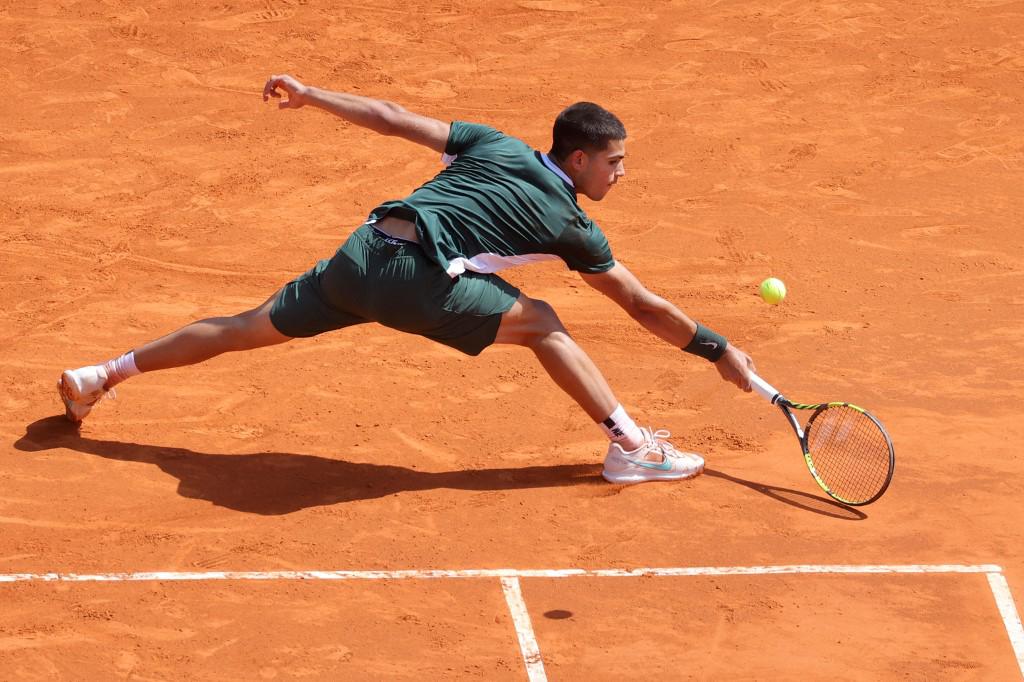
817 504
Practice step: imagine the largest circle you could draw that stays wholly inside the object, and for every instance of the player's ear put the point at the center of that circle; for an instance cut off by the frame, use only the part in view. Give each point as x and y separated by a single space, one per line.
578 159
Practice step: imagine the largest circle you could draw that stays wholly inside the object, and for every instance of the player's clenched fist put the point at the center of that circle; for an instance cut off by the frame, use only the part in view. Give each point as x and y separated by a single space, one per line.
734 366
295 90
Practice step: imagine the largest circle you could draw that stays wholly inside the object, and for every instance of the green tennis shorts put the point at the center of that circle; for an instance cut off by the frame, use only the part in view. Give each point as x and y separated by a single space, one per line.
373 278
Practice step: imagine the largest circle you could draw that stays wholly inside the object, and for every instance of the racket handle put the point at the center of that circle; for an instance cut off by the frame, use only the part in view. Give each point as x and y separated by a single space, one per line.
763 388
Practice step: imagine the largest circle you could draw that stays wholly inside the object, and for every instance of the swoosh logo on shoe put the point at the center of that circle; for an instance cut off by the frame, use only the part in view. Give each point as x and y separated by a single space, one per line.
664 465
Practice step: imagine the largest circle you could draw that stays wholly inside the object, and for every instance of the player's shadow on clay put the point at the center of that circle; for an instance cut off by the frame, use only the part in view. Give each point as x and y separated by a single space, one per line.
273 483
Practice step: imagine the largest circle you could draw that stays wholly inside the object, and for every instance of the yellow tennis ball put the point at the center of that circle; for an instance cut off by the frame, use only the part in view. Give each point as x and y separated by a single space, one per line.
773 290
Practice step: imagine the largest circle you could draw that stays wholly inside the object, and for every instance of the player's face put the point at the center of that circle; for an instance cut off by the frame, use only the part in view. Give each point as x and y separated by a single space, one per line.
601 170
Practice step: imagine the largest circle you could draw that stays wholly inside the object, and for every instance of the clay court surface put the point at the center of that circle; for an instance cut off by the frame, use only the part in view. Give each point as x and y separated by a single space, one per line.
870 154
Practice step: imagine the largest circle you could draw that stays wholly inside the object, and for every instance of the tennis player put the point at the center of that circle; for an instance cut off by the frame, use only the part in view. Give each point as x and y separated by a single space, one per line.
426 265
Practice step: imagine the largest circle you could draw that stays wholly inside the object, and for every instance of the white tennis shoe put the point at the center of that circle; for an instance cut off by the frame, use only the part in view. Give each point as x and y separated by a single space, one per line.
81 389
655 460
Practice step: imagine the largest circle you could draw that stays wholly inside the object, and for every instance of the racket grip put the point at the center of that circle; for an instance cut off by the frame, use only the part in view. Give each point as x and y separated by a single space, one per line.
763 388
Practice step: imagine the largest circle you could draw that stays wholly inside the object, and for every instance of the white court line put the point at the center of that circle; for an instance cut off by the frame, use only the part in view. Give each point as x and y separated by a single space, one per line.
1008 610
510 584
491 573
524 630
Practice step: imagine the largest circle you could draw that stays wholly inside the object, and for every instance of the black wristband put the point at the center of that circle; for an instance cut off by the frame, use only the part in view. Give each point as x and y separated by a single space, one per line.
707 344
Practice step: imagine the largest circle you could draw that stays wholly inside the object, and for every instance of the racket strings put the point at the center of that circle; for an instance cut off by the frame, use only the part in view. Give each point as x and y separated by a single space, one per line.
851 453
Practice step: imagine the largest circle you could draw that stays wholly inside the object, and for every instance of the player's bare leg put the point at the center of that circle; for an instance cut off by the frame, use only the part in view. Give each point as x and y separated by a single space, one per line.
82 388
205 339
534 324
635 454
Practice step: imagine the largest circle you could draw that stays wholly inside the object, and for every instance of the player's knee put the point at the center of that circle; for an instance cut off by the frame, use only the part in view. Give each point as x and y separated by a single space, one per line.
243 331
230 331
542 323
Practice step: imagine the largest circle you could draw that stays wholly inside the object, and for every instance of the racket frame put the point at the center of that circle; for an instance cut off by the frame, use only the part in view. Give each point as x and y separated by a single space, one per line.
773 396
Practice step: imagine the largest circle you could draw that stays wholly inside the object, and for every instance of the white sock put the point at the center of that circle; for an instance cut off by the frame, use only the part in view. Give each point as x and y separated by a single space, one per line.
621 429
120 368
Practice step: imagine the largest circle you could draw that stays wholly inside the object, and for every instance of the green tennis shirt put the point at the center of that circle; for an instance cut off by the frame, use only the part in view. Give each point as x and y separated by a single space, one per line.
497 204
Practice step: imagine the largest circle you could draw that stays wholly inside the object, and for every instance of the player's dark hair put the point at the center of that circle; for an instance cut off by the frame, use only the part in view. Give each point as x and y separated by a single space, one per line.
585 126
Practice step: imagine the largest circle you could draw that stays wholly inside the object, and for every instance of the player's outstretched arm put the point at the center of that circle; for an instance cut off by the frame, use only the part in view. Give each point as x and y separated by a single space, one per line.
665 320
386 118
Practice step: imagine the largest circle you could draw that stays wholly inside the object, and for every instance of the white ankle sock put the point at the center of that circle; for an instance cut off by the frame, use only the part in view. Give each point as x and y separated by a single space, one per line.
120 368
620 428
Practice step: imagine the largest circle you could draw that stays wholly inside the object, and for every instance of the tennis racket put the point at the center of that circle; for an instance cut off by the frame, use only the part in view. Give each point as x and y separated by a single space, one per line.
846 448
